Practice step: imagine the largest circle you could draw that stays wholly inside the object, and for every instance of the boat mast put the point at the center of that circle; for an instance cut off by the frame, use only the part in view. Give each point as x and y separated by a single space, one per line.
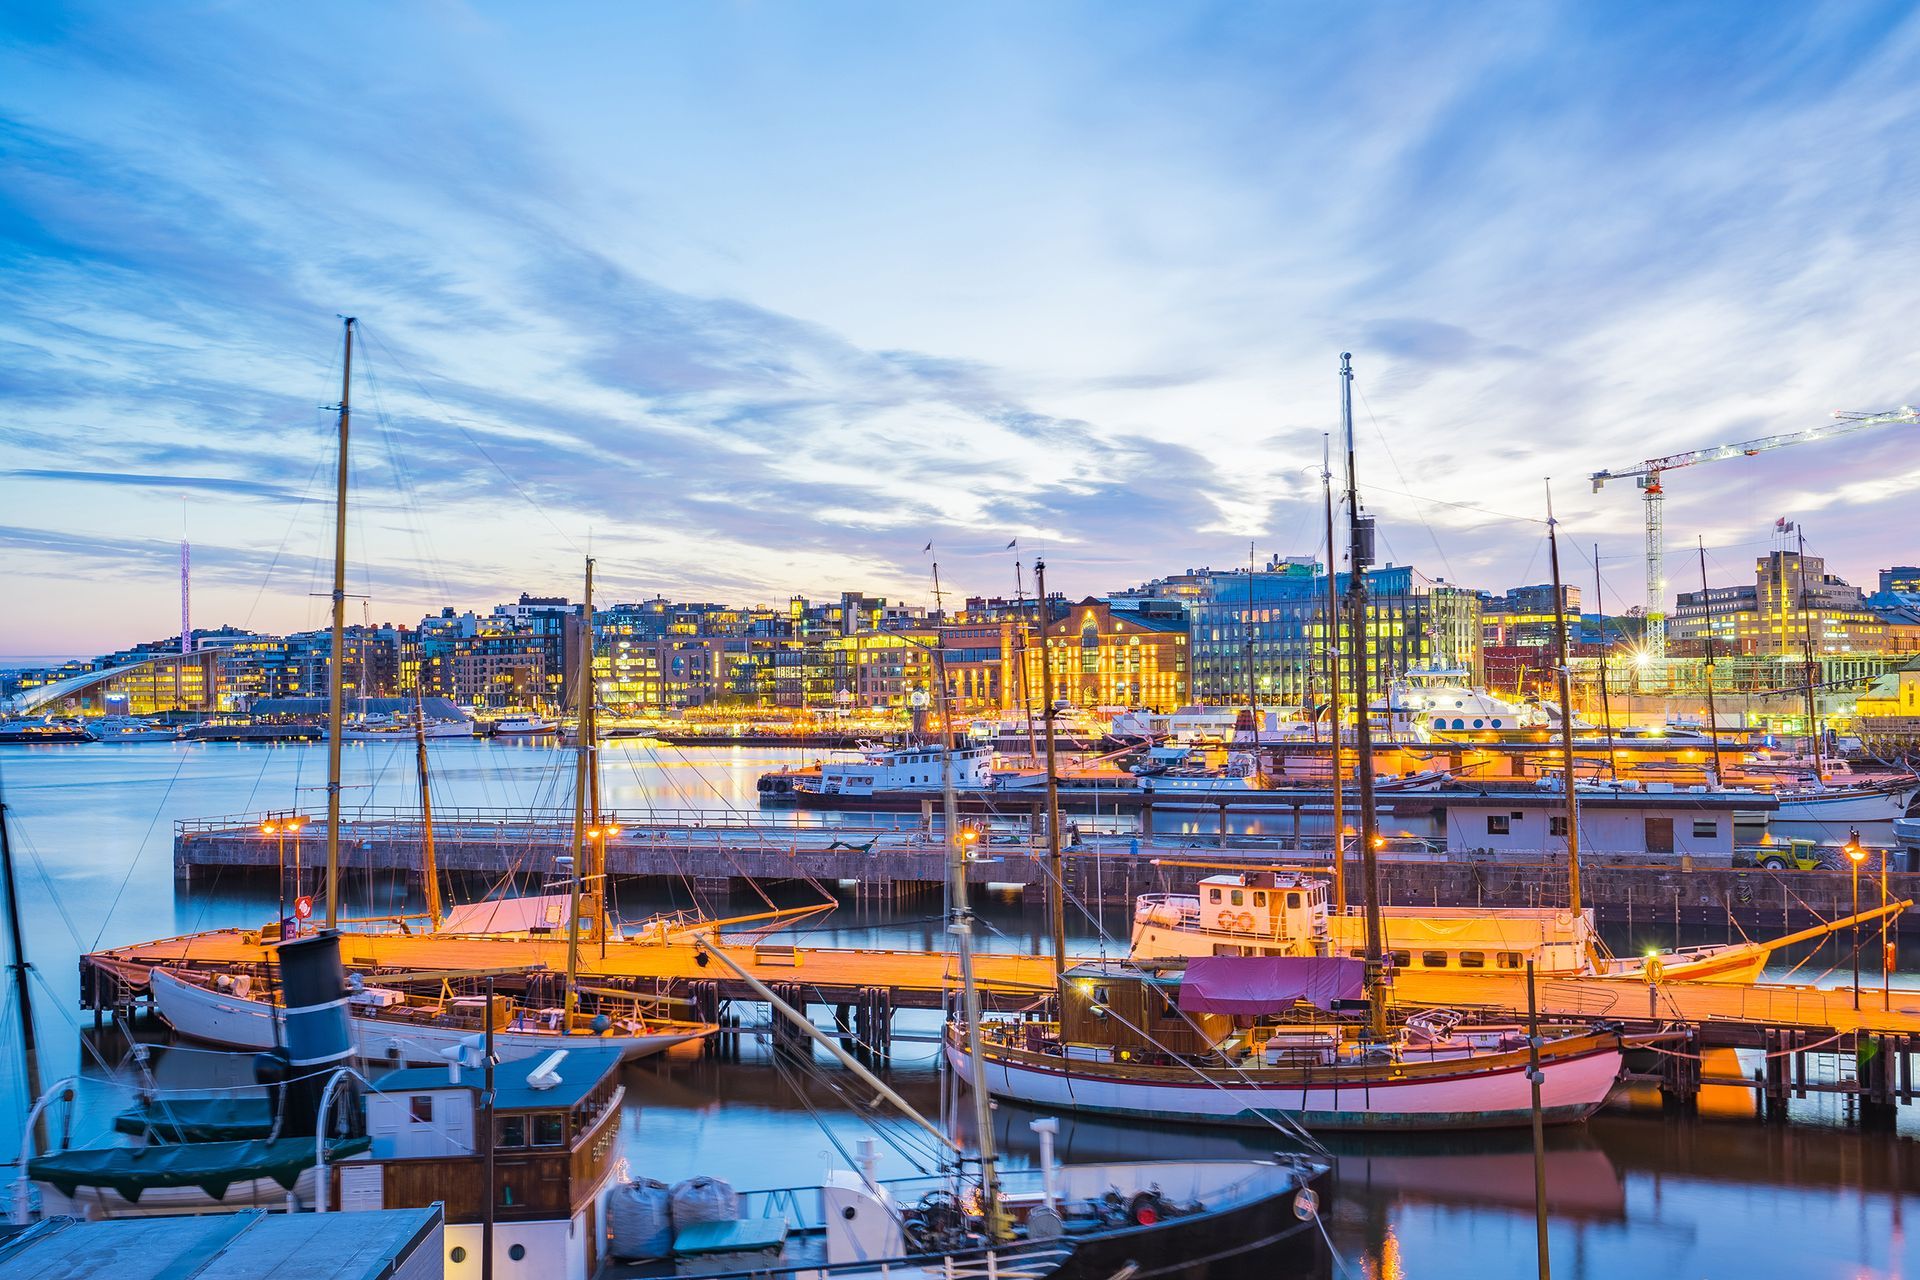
18 948
337 653
1253 702
1023 643
1566 710
960 925
1713 718
1359 556
1606 712
1056 863
1333 685
1806 649
581 783
429 865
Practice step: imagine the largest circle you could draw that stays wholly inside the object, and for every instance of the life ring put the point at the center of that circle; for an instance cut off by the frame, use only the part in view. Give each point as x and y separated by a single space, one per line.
1224 920
1243 921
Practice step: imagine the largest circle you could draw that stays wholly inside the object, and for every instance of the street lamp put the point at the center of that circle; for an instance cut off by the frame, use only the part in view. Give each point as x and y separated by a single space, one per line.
1855 856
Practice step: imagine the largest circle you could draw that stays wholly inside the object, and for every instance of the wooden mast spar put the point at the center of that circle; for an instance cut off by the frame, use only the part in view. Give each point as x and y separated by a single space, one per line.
1359 557
1333 686
1572 818
335 655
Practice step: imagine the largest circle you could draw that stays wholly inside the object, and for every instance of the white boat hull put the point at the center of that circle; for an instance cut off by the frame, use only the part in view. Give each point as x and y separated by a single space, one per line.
1573 1089
238 1022
1844 806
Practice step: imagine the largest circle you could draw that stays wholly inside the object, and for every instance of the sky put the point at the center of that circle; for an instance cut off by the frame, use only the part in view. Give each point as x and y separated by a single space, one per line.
749 300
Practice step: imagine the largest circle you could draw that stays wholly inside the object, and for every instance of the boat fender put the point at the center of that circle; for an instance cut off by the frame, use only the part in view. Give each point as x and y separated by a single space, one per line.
1306 1204
601 1022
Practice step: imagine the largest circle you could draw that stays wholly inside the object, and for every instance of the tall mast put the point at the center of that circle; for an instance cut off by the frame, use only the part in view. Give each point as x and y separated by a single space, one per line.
1359 556
429 865
1606 711
960 925
1023 643
1333 685
1253 701
18 952
1056 863
1713 718
581 784
1566 711
1806 649
336 655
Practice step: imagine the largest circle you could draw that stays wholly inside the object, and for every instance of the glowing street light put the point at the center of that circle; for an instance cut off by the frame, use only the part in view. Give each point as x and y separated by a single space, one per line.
1855 856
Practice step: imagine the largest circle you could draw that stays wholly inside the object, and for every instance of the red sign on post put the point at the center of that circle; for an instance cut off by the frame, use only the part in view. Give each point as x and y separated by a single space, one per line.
303 907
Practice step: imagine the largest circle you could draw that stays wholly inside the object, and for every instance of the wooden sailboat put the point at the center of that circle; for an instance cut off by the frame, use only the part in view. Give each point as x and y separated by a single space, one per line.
1243 1039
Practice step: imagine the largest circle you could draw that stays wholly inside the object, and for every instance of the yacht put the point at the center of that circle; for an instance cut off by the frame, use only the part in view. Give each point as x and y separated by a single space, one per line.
382 727
133 729
906 769
42 729
521 726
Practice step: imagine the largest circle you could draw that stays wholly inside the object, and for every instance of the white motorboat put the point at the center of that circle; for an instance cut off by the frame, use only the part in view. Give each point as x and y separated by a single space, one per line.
380 727
133 729
522 726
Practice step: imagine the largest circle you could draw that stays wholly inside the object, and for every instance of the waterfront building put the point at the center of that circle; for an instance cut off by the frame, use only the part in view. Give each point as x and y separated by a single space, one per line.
1792 604
1276 619
1104 657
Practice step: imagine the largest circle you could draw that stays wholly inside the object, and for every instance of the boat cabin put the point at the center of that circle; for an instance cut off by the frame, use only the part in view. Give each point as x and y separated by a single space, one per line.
905 769
1113 1012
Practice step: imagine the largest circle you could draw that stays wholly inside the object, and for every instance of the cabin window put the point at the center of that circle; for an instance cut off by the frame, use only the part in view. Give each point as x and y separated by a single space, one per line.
420 1108
1473 959
1659 835
1398 959
1433 959
1557 825
1237 898
549 1129
1213 895
1507 960
1169 1011
1293 900
1498 824
1705 829
1103 995
1259 898
512 1132
1357 953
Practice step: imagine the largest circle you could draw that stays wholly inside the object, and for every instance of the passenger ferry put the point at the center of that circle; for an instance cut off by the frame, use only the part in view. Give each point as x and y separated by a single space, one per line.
522 726
906 769
133 729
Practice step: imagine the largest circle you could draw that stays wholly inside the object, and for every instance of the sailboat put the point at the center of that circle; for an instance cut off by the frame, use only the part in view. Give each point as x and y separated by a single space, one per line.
1245 1038
394 1024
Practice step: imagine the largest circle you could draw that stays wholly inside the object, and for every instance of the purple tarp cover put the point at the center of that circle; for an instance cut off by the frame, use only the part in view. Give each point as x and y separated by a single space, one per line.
1268 984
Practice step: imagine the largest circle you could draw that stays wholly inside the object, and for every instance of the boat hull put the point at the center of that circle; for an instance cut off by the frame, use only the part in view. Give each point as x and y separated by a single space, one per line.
1878 805
237 1022
1574 1088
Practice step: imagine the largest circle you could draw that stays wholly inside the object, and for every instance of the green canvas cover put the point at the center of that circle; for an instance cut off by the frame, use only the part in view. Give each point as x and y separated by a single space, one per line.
198 1119
210 1166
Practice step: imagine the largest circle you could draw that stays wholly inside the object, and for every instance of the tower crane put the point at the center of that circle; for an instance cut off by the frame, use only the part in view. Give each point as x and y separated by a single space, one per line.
1648 475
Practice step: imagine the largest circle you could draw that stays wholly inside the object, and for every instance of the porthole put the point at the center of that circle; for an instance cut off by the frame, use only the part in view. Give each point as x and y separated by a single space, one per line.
1479 724
517 1252
457 1255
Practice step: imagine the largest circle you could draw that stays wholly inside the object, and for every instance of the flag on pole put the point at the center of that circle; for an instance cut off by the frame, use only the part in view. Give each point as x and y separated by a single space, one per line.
928 547
1011 545
1783 525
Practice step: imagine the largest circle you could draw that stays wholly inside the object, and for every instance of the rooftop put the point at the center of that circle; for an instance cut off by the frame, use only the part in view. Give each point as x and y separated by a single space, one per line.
247 1245
584 1067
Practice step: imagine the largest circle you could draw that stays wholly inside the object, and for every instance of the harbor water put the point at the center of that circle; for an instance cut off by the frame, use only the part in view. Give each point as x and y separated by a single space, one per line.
1632 1194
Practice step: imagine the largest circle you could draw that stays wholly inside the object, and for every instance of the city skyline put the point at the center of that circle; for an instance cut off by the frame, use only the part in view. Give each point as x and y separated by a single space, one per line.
759 302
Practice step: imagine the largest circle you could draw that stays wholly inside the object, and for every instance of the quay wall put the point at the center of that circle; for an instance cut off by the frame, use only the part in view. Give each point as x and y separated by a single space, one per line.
897 864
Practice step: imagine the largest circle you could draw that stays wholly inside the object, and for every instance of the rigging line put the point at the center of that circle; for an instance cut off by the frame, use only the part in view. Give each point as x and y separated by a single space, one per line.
417 528
140 851
1366 487
1419 509
459 426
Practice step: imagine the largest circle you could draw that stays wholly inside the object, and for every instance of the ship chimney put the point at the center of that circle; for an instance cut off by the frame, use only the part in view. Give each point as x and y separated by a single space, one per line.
318 1034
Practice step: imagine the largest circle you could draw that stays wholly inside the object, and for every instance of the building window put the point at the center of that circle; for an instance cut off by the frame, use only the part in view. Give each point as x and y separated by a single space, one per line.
1557 825
1706 829
1498 824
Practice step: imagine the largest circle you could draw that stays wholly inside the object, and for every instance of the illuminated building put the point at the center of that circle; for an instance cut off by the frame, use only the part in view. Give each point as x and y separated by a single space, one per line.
1100 656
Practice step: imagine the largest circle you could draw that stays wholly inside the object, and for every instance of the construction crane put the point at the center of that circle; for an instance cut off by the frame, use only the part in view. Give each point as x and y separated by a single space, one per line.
1647 474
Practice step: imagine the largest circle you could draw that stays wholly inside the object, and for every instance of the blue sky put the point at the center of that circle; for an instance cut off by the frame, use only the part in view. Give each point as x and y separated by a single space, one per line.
753 298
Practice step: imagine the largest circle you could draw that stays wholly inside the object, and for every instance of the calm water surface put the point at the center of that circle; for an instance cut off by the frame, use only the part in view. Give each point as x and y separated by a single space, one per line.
1633 1195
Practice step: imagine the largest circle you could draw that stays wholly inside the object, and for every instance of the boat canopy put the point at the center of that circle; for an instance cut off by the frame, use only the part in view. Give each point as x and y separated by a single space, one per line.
211 1119
1269 984
211 1166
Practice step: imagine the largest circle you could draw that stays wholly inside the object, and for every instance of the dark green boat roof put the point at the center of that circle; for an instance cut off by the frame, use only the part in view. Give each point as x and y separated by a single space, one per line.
198 1119
210 1166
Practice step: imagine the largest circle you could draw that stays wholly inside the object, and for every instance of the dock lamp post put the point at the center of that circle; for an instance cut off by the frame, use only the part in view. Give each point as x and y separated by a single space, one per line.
1855 856
280 826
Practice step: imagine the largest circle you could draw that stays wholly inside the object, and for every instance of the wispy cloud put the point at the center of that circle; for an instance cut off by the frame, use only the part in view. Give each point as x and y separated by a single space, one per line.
767 322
